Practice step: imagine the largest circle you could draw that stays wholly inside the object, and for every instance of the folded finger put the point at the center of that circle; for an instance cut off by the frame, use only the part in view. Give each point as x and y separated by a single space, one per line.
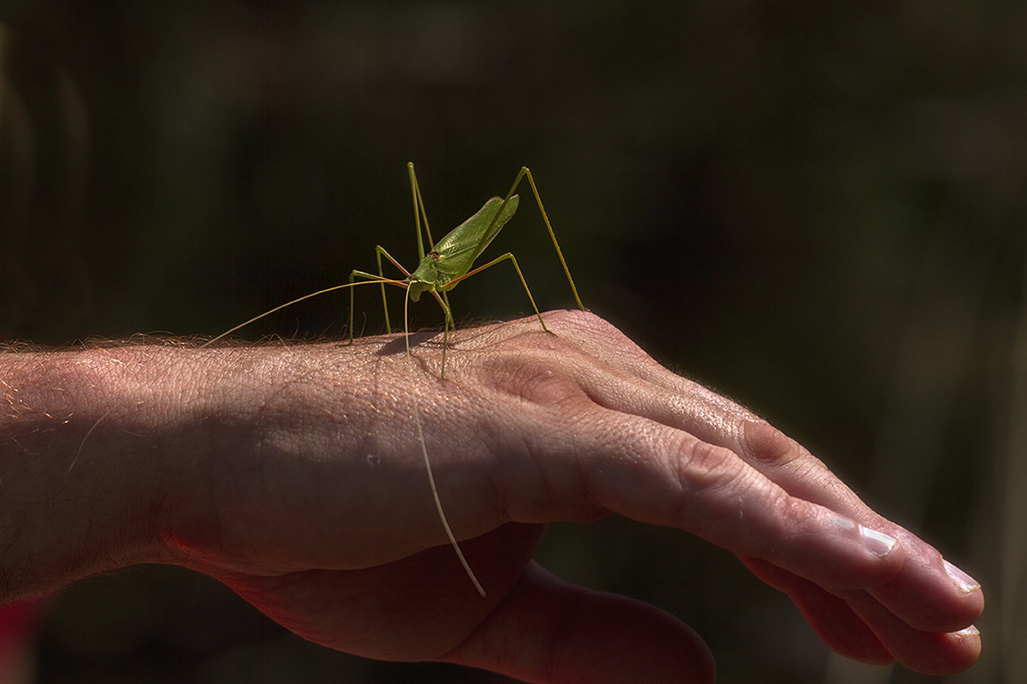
857 626
830 616
932 653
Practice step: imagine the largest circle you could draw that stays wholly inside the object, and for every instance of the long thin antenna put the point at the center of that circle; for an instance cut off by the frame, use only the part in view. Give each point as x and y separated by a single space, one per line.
424 452
300 299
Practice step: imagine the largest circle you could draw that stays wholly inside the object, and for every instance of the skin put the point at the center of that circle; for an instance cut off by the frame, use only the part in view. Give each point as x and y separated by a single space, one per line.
293 475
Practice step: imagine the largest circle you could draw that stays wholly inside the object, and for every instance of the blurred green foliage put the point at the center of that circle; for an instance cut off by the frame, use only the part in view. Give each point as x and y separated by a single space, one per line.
817 208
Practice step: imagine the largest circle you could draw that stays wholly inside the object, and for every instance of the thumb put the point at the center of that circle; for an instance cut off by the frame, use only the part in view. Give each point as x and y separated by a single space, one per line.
547 631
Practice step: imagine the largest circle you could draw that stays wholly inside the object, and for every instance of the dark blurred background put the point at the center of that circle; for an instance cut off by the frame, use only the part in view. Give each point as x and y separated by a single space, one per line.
817 208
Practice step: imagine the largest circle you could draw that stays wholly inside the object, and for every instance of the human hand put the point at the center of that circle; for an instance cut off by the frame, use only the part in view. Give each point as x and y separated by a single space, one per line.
316 507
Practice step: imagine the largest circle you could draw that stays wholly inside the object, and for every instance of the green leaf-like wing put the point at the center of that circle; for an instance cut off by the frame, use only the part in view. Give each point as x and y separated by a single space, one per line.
459 249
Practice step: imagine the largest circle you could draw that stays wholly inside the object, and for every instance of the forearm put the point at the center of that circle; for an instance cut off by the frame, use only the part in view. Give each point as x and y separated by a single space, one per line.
160 453
91 445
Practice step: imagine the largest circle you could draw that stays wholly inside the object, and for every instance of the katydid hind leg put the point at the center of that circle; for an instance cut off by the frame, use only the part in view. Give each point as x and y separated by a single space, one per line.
419 213
525 172
508 256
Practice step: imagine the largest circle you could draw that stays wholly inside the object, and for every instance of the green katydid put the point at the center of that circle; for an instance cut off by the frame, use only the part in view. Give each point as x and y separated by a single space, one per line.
447 263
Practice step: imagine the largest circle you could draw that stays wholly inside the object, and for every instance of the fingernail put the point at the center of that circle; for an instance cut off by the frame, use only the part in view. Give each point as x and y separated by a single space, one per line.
880 544
967 632
962 580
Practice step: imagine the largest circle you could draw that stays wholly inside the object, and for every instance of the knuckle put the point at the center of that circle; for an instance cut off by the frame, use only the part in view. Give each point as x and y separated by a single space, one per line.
719 478
704 468
761 441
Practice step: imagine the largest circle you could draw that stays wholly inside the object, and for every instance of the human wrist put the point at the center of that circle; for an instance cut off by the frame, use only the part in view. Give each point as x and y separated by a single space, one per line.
280 424
93 443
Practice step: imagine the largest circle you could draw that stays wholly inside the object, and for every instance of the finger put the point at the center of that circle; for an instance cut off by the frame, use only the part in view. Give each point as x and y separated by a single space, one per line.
682 404
932 653
679 403
830 616
658 475
930 593
548 631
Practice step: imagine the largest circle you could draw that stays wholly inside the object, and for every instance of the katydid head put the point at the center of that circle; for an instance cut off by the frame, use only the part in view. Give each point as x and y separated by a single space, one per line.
425 277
